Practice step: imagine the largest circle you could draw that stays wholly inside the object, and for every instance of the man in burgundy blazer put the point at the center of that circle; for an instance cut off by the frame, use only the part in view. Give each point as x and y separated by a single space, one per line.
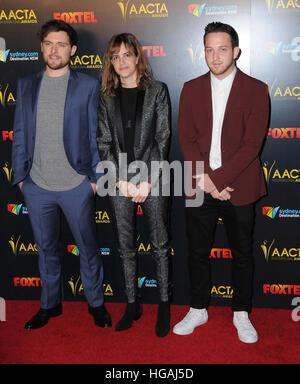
223 118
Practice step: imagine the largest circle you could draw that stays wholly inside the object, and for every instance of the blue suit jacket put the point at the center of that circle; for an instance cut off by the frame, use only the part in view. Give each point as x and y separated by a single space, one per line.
80 124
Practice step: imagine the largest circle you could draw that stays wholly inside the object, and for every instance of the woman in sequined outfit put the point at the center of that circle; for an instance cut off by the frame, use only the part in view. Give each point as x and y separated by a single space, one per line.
134 119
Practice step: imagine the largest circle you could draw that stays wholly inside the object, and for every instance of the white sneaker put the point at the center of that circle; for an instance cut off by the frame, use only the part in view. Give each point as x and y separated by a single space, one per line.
246 331
193 319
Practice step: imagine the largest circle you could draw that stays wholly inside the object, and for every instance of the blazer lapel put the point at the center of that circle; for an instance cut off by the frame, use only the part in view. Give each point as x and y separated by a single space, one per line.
116 115
139 117
206 90
234 92
118 118
35 96
71 92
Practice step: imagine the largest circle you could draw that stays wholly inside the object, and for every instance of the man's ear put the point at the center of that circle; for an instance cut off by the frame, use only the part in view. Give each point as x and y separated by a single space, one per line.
73 50
236 53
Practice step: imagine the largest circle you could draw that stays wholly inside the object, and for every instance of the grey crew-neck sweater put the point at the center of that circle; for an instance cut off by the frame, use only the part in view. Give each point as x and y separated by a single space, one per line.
51 169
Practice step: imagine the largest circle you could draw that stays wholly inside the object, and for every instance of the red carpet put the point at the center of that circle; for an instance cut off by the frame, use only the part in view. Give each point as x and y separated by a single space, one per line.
72 338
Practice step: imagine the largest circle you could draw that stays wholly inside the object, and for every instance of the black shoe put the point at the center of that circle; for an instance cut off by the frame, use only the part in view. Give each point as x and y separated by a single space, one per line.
101 316
133 312
162 326
42 317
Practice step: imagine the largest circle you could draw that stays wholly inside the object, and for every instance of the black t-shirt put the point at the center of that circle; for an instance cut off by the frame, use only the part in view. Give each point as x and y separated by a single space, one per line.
128 111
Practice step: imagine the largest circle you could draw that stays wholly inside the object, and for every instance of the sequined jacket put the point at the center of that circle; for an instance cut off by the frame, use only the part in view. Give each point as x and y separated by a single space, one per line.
152 127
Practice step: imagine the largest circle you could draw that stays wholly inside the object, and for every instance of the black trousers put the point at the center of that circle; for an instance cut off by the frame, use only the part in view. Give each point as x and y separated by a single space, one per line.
201 226
156 212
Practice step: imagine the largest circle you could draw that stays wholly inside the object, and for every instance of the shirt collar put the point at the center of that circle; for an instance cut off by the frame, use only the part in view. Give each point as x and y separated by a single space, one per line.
227 81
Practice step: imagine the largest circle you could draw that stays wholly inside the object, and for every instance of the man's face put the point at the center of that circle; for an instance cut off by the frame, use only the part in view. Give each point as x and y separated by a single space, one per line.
219 54
57 50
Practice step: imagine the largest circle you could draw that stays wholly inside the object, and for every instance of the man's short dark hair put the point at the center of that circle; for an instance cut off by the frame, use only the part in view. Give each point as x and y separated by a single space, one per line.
221 27
56 26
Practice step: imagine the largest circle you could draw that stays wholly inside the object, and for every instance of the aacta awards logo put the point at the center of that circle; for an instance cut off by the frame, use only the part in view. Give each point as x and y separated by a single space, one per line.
281 5
222 291
77 287
21 248
8 171
138 9
277 175
86 62
196 52
271 252
279 92
7 97
21 16
101 217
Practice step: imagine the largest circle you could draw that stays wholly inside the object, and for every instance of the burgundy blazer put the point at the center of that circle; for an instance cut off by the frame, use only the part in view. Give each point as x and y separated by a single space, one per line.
243 131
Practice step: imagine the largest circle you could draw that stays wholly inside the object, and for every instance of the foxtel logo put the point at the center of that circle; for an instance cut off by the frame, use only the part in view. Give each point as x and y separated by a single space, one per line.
281 289
7 135
154 50
27 282
284 133
76 17
220 253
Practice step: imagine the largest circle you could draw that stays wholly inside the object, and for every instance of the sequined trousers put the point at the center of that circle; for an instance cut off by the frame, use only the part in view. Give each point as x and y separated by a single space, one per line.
156 210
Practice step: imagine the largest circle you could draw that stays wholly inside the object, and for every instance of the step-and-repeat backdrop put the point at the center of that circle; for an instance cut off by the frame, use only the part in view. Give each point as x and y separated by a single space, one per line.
171 32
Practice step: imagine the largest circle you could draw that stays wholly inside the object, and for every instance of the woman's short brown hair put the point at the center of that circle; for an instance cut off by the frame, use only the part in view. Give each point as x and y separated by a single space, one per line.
110 79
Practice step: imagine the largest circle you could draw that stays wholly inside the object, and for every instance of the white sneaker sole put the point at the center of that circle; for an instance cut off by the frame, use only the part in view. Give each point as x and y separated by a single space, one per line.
247 340
184 332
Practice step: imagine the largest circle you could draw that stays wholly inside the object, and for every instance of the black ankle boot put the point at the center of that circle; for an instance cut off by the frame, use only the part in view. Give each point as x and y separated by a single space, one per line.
133 312
162 327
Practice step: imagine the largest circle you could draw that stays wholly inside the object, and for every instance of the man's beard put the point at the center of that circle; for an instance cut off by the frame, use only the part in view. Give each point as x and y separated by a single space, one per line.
55 65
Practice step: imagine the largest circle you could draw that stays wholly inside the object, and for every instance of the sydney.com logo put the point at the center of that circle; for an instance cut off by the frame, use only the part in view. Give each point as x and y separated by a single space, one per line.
203 9
271 212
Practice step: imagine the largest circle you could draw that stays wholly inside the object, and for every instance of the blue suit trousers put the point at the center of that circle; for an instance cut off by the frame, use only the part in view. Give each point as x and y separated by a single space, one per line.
77 205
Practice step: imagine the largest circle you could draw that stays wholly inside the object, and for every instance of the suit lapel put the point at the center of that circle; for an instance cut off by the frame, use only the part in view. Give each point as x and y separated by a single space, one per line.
234 92
71 92
139 117
35 96
206 91
118 118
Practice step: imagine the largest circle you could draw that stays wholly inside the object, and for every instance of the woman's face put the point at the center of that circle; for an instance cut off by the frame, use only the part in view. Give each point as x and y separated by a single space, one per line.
125 64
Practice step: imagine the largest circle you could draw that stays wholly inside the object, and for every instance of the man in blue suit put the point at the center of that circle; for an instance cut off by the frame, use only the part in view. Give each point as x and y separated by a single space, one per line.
54 161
